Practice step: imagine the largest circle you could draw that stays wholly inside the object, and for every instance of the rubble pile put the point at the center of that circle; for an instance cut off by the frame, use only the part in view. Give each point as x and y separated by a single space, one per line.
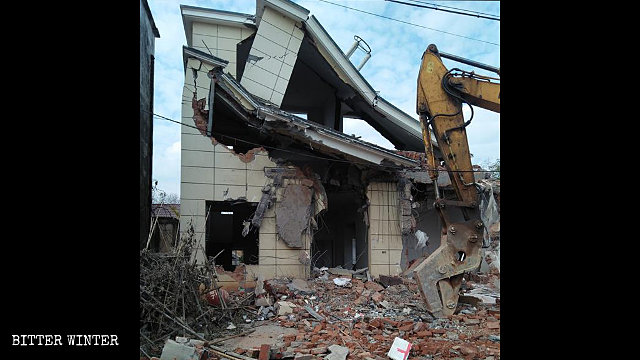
179 298
345 317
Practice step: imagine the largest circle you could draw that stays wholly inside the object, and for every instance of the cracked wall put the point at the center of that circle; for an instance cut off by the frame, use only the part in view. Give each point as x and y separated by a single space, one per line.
272 56
220 40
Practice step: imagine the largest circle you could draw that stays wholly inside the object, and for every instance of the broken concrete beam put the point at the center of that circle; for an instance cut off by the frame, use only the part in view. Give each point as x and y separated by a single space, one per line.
341 272
361 271
313 313
263 205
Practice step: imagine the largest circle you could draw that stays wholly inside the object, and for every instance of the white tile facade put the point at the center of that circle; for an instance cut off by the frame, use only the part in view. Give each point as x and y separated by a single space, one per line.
275 47
385 236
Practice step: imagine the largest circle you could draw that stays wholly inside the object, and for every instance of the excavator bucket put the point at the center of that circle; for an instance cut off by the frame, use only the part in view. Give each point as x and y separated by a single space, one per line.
439 276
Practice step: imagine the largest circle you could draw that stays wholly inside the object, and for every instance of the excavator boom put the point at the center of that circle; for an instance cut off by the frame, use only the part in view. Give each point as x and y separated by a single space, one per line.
441 93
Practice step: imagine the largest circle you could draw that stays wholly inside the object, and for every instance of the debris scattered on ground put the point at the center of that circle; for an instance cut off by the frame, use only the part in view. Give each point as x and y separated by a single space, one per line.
316 319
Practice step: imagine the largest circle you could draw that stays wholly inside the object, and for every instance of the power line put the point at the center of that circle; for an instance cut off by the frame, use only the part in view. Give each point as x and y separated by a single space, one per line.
435 7
408 23
454 8
296 152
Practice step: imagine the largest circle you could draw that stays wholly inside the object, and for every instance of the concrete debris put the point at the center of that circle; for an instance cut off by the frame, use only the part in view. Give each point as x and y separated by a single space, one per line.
284 307
263 301
340 271
313 313
292 214
422 239
486 294
342 281
174 350
337 352
321 319
259 289
300 286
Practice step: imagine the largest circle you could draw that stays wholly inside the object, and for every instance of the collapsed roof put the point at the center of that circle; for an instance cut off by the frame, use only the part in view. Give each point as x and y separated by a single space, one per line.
324 85
248 117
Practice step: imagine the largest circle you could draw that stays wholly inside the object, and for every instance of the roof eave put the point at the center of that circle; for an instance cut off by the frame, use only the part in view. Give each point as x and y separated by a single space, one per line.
210 16
214 61
285 7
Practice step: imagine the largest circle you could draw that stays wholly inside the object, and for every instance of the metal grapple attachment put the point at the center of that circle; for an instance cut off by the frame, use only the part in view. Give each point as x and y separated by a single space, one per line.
439 276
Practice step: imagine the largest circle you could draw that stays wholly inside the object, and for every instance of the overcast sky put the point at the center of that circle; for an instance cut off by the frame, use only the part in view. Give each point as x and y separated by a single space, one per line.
396 51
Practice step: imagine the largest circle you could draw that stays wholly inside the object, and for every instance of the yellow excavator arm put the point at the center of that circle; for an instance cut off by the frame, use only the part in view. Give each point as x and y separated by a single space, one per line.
440 96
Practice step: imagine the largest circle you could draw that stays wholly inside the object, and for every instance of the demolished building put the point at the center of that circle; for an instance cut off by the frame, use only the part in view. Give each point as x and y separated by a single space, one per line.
268 178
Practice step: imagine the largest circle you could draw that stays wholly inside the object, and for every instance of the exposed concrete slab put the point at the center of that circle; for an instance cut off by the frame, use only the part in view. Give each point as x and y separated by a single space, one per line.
266 334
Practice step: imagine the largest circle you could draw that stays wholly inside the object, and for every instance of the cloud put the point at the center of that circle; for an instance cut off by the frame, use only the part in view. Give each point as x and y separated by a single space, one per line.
392 70
165 162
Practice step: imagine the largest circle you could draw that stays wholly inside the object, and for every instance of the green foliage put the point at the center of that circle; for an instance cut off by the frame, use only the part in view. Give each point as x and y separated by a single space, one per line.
496 168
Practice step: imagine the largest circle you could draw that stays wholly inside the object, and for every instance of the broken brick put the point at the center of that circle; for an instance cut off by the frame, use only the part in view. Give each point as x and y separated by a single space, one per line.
390 322
373 286
264 352
377 297
318 350
377 323
493 324
469 321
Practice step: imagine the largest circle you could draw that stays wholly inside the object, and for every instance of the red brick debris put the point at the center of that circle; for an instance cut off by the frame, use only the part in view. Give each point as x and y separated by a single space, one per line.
366 317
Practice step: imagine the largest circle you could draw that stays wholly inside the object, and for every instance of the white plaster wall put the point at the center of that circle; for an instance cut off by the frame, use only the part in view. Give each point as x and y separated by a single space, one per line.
385 235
